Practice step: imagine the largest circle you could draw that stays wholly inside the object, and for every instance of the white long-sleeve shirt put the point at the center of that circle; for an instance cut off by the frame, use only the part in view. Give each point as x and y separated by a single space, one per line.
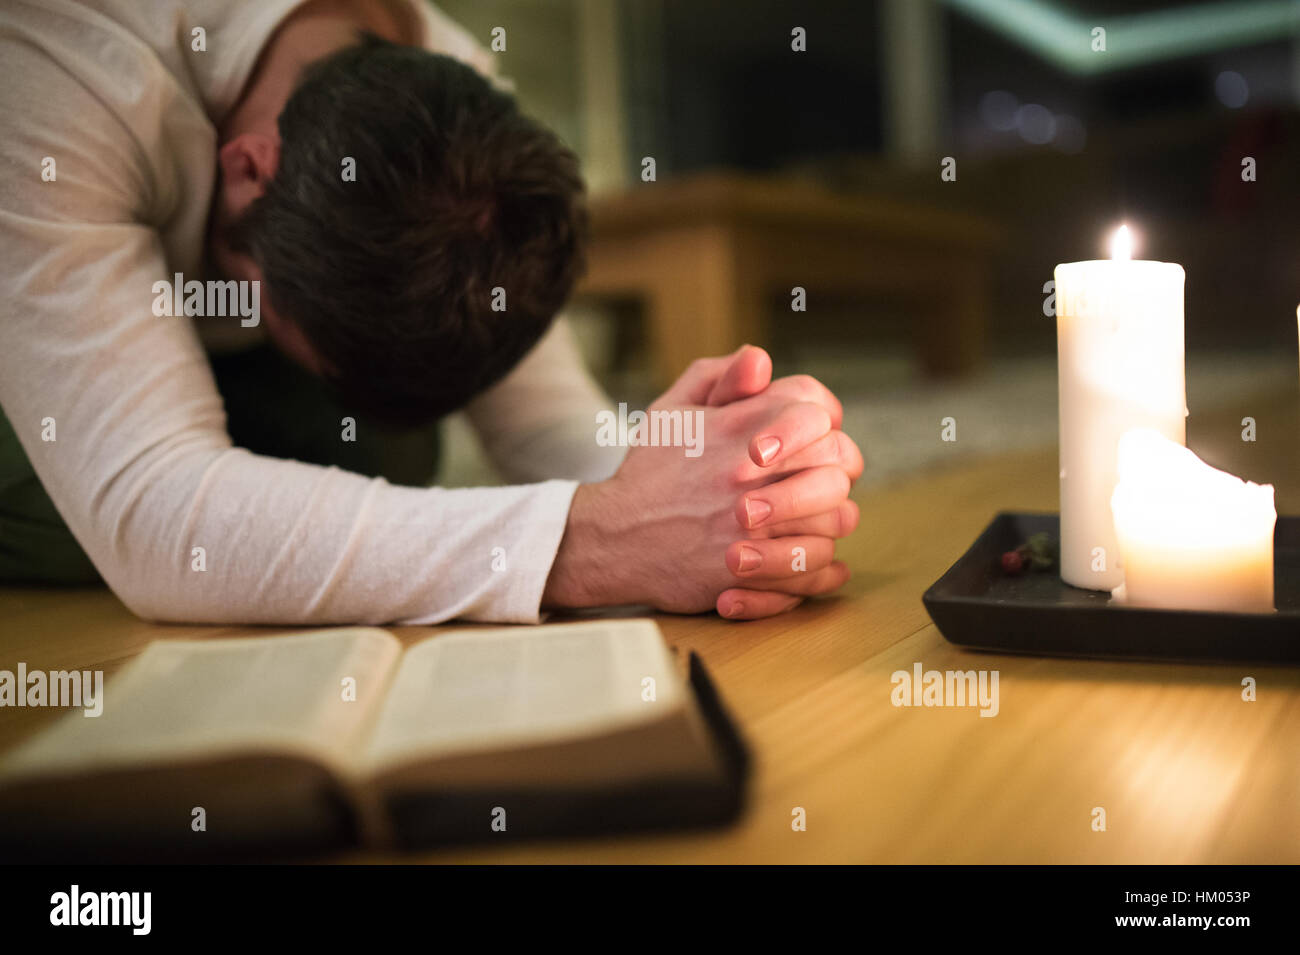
141 467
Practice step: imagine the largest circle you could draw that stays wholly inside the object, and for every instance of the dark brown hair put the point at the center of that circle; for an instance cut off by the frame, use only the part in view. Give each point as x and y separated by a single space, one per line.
391 277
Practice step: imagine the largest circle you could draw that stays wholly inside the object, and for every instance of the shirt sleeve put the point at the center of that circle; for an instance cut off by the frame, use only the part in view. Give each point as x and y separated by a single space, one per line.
119 414
540 421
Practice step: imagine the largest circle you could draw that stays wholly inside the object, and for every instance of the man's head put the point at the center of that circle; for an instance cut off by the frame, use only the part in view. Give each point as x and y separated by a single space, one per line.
424 279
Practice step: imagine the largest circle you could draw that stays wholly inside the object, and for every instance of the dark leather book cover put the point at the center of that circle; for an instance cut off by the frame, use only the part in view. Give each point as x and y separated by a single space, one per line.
268 808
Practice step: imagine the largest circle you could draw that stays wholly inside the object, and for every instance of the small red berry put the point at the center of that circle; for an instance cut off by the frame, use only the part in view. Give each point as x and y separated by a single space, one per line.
1012 562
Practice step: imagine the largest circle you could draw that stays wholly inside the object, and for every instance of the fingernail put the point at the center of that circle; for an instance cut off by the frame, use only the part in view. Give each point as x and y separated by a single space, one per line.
750 559
767 448
757 511
736 609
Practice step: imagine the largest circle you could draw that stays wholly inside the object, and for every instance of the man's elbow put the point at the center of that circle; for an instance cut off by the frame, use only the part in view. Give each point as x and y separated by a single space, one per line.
152 604
149 585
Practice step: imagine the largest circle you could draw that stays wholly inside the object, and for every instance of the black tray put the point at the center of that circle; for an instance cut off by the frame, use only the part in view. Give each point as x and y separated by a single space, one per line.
976 605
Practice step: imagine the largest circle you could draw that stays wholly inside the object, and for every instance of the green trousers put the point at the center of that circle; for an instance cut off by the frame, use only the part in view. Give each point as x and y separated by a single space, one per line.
273 407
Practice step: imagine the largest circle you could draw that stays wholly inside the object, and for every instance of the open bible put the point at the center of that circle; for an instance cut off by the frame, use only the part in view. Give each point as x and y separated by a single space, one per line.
332 738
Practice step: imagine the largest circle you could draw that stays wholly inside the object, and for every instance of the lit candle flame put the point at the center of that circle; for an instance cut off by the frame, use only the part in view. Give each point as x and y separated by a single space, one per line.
1121 246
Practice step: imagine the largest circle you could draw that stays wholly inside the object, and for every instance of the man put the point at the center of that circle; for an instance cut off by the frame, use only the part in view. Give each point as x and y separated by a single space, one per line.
412 236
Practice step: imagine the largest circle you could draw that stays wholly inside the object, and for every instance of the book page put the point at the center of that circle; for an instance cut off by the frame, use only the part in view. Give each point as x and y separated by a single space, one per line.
485 690
183 699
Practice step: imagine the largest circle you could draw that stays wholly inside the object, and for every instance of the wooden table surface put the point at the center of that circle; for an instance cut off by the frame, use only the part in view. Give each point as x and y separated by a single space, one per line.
1186 770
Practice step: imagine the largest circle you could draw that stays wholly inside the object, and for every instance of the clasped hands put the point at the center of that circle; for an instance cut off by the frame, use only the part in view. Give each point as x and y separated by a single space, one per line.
748 527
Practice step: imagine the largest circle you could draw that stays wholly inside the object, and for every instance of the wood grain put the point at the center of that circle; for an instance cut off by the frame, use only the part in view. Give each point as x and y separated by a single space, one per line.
1186 771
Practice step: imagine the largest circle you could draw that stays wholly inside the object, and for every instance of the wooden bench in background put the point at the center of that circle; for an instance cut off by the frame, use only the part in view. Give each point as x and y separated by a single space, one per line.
704 255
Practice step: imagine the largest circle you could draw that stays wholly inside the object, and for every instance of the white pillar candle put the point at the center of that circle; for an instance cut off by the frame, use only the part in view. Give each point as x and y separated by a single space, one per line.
1119 335
1192 537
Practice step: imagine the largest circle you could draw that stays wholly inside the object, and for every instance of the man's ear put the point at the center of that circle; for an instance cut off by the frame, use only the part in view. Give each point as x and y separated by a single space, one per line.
248 164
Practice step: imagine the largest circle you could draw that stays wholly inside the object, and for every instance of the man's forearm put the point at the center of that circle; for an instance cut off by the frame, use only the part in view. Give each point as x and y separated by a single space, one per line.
591 567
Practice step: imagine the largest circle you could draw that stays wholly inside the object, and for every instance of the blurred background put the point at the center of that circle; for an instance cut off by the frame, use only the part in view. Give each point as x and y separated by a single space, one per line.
819 168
